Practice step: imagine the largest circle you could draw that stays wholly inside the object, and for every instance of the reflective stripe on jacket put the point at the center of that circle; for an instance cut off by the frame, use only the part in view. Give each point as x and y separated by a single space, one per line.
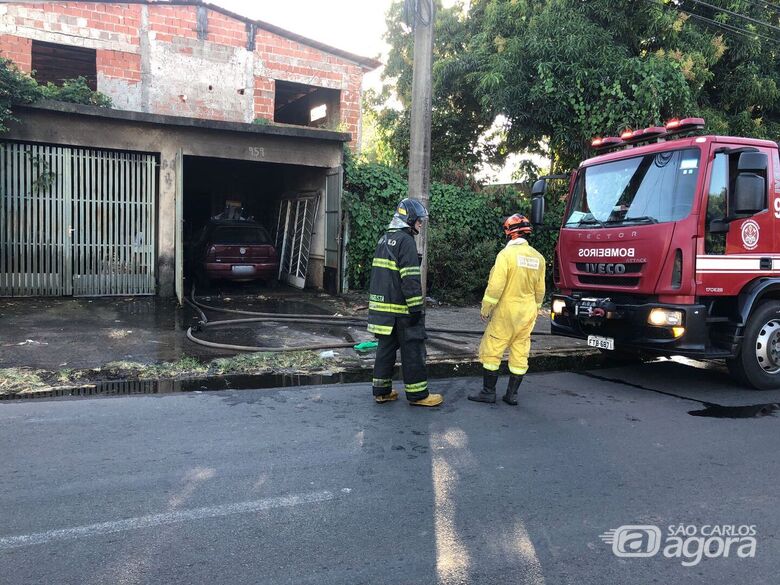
395 288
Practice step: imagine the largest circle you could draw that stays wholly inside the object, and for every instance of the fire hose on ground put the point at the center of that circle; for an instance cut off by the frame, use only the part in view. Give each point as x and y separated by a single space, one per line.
261 317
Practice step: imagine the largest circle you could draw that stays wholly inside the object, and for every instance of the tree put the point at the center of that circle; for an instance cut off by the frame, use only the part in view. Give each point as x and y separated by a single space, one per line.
564 71
567 70
457 118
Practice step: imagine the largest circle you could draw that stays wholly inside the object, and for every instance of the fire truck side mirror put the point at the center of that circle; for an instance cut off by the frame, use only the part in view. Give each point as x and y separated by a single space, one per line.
537 202
749 194
750 186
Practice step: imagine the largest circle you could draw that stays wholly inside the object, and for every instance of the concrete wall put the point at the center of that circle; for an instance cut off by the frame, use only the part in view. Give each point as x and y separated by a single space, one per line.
151 58
64 128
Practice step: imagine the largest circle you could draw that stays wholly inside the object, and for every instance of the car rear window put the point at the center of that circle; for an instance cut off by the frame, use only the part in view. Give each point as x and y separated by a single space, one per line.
240 235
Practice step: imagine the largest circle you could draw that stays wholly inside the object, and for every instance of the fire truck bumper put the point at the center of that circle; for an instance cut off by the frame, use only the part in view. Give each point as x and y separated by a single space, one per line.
629 326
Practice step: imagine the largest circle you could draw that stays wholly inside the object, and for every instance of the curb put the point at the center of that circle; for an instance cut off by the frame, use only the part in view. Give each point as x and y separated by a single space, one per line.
439 367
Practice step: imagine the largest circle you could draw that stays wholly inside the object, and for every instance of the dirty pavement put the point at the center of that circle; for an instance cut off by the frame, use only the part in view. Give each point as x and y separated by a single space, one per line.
61 342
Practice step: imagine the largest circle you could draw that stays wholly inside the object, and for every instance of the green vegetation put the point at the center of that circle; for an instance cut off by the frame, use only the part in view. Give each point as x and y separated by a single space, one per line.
16 380
75 91
18 88
464 235
15 88
563 71
13 380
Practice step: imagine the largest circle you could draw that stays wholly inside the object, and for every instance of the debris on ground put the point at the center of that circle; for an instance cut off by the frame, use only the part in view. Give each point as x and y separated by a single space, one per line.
26 380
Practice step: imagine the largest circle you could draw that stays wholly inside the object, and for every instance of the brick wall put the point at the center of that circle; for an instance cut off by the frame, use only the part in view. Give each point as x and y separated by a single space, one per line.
120 65
264 98
149 58
18 50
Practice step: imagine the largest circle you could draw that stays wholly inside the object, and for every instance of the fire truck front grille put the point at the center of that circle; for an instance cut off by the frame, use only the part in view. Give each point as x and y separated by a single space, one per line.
626 275
629 268
608 280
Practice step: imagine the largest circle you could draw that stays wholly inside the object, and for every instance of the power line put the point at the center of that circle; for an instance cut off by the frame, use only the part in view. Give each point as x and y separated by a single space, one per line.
723 26
728 27
737 14
764 4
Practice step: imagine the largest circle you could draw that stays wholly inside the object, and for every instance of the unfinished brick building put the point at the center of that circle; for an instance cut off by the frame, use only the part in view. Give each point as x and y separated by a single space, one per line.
187 80
187 58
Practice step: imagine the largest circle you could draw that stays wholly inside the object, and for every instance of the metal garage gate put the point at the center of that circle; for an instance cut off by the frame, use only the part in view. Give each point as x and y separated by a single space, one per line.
294 227
76 221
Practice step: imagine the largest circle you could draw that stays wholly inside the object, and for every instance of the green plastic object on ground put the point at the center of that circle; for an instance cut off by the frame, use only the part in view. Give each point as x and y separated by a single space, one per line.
366 346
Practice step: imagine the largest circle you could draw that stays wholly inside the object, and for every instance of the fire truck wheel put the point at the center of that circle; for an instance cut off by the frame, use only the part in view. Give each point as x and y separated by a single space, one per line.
758 362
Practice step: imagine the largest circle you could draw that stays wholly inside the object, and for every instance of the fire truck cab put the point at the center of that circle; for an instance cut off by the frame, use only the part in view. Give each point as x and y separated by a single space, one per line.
670 245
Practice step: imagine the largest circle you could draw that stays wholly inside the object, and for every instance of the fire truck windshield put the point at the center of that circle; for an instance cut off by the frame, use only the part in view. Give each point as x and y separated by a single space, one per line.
657 187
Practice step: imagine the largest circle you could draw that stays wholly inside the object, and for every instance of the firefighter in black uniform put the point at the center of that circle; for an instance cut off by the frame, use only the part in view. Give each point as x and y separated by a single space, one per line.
395 309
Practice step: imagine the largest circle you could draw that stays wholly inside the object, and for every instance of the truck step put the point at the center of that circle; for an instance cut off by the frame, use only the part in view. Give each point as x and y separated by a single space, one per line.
718 319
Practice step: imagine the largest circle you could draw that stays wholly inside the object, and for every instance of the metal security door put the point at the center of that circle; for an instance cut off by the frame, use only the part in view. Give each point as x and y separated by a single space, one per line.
293 237
76 221
35 220
113 223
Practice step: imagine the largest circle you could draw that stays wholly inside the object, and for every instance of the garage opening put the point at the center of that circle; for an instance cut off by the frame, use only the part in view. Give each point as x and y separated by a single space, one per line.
255 223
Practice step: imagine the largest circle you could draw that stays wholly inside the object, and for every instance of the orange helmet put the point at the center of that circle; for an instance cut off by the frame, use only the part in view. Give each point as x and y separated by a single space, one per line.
517 226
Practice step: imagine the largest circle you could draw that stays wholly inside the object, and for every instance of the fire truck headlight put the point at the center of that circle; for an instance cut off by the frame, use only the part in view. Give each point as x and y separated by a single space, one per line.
665 317
558 305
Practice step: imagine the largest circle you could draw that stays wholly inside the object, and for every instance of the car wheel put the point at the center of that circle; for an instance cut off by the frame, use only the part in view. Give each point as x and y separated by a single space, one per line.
758 362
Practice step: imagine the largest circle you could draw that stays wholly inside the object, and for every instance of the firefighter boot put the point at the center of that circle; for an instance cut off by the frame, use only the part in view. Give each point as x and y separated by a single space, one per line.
430 400
389 397
488 392
511 390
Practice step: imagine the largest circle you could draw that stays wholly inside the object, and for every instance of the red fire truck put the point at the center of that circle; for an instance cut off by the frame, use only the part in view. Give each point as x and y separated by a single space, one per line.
670 245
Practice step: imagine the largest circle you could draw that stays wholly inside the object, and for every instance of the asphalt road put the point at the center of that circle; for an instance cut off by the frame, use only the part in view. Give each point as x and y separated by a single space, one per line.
321 485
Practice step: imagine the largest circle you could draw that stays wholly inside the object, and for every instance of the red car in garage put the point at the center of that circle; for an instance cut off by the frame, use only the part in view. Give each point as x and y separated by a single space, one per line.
238 250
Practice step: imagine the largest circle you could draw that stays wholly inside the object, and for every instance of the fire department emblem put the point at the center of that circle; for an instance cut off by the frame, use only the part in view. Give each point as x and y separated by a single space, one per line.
750 234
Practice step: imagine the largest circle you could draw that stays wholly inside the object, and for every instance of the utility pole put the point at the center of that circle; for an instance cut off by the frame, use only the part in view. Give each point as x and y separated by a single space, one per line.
422 21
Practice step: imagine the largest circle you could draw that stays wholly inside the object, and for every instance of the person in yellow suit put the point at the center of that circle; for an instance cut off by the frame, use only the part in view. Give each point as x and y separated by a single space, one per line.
511 302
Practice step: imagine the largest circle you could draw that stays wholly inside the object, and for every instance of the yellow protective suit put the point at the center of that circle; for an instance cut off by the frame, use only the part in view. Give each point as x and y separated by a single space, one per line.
512 299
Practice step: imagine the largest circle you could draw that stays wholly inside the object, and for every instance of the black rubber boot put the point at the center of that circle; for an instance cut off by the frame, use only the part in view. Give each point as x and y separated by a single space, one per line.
488 392
511 390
